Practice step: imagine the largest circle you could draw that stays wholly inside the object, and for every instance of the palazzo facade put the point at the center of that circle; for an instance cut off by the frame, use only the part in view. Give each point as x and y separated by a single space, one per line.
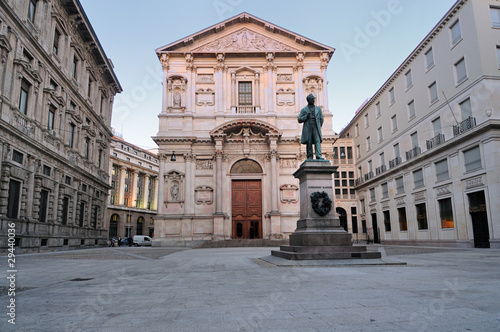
56 95
427 143
231 97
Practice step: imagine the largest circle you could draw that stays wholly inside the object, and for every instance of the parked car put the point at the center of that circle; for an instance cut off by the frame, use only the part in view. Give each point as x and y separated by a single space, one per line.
142 240
124 241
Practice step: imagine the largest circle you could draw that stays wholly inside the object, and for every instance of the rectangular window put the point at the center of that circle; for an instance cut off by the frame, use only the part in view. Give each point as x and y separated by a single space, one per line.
84 187
385 190
362 204
387 221
433 93
356 127
82 214
382 159
351 175
495 16
421 216
392 98
379 134
414 139
46 170
372 195
354 220
86 148
245 93
498 55
418 178
358 151
409 80
99 161
446 213
370 166
89 89
17 156
112 200
411 110
400 185
335 152
368 145
13 200
126 187
349 152
125 202
442 170
394 122
456 33
472 159
367 121
465 109
55 45
44 200
363 226
460 71
23 98
377 109
32 10
436 126
51 119
396 151
65 207
403 224
67 180
342 152
71 135
74 67
94 217
429 59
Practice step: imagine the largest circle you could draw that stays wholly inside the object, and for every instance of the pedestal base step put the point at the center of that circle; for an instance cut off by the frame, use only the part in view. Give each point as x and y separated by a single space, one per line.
324 252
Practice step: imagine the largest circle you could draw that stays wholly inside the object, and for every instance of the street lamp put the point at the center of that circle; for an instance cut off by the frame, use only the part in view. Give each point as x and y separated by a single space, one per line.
173 158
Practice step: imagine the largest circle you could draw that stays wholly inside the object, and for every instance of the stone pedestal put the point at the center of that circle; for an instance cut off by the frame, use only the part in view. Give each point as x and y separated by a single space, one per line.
319 234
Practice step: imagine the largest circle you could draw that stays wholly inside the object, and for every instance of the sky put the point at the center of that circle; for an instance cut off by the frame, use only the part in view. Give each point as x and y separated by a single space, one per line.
371 37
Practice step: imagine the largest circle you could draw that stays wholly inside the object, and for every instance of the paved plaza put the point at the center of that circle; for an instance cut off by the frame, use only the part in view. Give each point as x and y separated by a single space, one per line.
232 289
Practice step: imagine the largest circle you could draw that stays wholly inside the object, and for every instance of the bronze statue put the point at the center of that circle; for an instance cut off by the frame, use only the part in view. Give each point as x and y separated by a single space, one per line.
312 117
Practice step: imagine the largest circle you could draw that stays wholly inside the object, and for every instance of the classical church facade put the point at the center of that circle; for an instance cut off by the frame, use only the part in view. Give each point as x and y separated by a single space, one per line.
229 139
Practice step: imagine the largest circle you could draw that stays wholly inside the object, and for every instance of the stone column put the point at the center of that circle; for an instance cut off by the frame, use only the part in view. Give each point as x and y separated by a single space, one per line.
32 163
36 197
164 63
134 189
161 185
154 204
219 215
234 92
324 64
257 93
188 186
145 195
121 186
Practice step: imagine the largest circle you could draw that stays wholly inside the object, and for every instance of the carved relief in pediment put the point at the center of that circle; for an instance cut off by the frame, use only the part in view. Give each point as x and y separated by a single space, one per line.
244 40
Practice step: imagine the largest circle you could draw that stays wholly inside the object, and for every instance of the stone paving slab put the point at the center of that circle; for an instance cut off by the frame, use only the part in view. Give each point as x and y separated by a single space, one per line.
224 289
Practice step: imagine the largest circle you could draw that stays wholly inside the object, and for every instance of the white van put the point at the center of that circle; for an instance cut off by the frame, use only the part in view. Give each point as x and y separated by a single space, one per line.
142 240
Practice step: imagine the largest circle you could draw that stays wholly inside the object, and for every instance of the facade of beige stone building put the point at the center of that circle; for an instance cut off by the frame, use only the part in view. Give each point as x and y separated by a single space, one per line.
133 195
231 97
427 143
57 88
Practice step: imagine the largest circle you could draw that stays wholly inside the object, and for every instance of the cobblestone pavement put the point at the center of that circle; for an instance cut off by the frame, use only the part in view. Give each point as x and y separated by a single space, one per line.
224 289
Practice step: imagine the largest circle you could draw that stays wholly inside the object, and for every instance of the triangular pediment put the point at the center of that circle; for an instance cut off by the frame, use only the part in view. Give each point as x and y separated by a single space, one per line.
245 40
245 33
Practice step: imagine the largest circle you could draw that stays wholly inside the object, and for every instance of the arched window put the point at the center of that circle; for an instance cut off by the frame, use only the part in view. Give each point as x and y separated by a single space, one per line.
246 166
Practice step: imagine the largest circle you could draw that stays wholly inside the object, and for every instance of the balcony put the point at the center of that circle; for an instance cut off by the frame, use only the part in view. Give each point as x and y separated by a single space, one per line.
395 162
413 153
368 176
463 126
435 141
246 109
343 161
380 170
359 181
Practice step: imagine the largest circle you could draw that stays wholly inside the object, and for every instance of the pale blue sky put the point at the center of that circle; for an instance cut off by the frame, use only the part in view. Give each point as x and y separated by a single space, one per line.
372 38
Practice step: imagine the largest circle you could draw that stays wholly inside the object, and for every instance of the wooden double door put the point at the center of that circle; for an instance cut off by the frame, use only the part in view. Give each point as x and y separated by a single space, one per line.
247 209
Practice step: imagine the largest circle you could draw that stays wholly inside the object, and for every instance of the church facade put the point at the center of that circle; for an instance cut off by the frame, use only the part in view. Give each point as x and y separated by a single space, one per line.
229 139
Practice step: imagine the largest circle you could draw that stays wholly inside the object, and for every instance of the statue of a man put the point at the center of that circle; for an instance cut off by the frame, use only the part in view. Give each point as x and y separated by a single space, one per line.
312 117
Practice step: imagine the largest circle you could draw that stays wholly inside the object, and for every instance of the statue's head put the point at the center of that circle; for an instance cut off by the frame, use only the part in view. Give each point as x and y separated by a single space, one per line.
310 99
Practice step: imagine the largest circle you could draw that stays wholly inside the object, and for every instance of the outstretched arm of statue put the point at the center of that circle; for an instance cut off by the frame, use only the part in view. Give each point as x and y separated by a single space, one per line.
303 116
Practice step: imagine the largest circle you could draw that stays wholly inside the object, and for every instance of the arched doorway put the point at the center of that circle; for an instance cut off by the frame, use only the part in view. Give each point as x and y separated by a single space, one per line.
343 217
140 225
113 225
246 201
